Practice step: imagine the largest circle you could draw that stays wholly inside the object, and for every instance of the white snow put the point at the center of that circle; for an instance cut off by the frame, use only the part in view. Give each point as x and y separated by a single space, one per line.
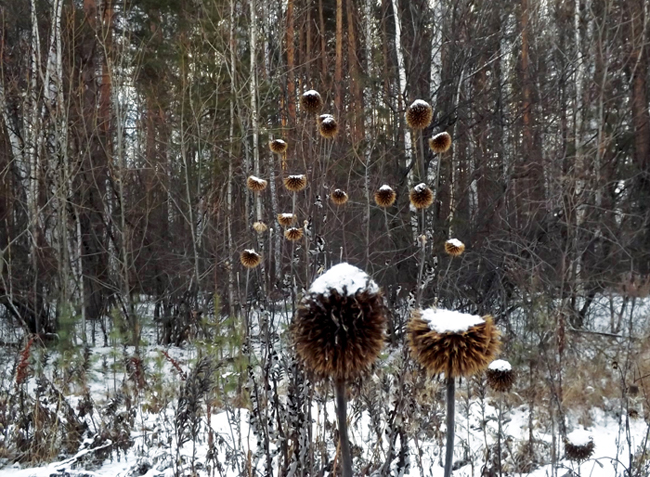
455 242
386 187
500 365
344 278
280 141
447 321
286 216
250 250
297 177
257 179
323 117
311 92
419 103
579 437
420 187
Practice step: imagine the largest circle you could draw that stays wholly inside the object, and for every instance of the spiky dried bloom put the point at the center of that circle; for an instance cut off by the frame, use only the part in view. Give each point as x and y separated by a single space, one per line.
295 183
452 343
250 258
339 197
260 227
293 234
579 445
385 196
278 146
286 219
256 184
328 127
440 142
419 114
454 247
500 375
311 101
421 196
339 327
323 117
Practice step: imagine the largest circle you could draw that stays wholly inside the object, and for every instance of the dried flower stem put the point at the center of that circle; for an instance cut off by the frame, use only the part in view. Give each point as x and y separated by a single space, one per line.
341 414
451 422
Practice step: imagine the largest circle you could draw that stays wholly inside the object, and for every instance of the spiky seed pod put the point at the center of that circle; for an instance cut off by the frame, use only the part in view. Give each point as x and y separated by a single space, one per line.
293 234
278 146
286 220
419 114
339 197
421 196
500 375
633 390
339 327
440 142
454 247
328 127
256 184
452 343
579 445
385 196
311 101
323 117
260 227
250 258
295 183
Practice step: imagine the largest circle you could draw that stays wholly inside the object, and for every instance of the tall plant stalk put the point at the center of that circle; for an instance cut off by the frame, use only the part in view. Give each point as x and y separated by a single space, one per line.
451 421
341 414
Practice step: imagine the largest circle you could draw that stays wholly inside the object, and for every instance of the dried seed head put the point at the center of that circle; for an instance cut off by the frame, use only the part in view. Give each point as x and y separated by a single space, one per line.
454 247
293 234
328 127
452 343
260 227
500 375
579 445
385 196
311 101
250 258
440 143
421 196
295 183
339 197
419 114
323 117
286 219
278 146
339 327
256 184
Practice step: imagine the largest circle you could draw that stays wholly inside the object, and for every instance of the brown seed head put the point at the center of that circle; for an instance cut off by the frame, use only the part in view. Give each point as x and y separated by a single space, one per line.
323 117
421 196
250 258
295 183
419 114
454 247
256 184
278 146
451 343
579 446
311 101
440 143
385 196
339 197
286 219
500 375
328 127
260 227
339 327
293 234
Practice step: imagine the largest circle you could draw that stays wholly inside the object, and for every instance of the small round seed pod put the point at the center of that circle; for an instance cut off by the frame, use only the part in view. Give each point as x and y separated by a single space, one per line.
292 234
278 146
286 220
250 258
328 127
440 142
579 445
633 390
256 184
419 114
500 375
385 196
260 227
295 183
323 117
339 197
452 343
421 196
339 327
454 247
311 101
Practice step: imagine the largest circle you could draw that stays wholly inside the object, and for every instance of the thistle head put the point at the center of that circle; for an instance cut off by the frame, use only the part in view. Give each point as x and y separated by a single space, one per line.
339 197
419 114
278 146
250 258
421 196
295 183
440 143
293 234
454 247
328 127
385 196
260 227
256 184
579 445
286 220
311 101
500 375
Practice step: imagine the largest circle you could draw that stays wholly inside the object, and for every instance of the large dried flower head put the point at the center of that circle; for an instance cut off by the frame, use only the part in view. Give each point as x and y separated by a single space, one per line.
311 101
295 183
452 343
440 142
286 219
454 247
260 227
339 327
256 184
421 196
294 233
579 445
385 196
419 114
500 375
250 258
339 197
278 146
328 127
323 117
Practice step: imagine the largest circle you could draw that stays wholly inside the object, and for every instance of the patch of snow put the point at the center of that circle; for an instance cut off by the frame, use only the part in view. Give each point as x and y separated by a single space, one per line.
250 250
579 437
447 321
420 187
420 103
345 279
297 177
286 216
455 242
257 179
500 365
386 187
311 92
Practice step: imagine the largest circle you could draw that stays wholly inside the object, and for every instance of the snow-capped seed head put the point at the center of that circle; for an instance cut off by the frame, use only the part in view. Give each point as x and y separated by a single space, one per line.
260 227
454 247
440 142
579 445
339 327
500 375
293 234
421 196
256 184
419 114
295 183
250 258
323 117
286 219
385 196
311 101
328 127
452 343
278 146
339 197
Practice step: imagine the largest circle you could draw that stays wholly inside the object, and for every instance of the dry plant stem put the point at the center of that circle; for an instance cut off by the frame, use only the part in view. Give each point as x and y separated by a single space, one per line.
500 429
422 260
451 415
341 414
420 155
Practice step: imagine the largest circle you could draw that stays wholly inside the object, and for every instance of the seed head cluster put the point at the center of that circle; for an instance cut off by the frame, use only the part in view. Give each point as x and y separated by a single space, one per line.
260 227
579 452
328 127
421 196
286 220
293 234
440 143
419 114
295 183
278 146
256 184
500 379
339 197
311 101
385 196
454 247
250 258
